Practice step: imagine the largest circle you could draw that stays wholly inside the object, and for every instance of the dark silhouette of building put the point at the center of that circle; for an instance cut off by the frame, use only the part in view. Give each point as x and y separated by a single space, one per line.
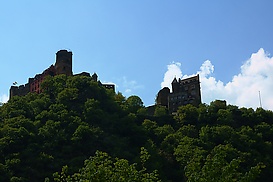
184 91
63 65
162 97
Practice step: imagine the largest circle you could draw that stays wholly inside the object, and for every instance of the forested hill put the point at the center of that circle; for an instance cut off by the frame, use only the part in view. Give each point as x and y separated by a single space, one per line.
77 130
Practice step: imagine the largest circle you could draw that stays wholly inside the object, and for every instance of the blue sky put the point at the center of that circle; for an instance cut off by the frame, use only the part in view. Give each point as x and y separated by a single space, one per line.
141 45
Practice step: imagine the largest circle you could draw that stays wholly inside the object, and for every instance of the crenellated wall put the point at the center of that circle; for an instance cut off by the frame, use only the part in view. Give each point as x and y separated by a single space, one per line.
19 90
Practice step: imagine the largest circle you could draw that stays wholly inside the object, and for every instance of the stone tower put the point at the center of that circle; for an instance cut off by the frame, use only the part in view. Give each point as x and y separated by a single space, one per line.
63 63
175 85
163 97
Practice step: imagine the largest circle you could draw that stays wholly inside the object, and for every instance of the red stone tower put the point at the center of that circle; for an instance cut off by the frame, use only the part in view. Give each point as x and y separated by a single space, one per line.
63 63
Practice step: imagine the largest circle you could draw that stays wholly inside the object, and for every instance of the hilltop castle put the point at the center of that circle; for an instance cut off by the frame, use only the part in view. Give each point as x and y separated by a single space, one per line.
63 65
184 91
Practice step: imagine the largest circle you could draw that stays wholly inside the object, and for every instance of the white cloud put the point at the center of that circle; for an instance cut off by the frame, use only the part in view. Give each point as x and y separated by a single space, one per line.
4 98
206 69
172 72
129 86
128 91
243 90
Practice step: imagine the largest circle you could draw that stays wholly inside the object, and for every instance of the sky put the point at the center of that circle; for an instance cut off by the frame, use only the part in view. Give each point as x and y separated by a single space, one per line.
140 46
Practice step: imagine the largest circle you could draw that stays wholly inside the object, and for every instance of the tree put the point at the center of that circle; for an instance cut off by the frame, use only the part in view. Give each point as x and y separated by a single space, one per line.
75 116
160 111
222 164
102 167
120 99
133 103
224 117
187 114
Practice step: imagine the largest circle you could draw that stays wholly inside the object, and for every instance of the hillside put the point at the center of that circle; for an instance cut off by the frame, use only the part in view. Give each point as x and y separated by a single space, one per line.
48 136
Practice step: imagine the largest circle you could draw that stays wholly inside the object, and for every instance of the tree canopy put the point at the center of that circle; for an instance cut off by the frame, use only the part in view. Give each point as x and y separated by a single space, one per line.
78 130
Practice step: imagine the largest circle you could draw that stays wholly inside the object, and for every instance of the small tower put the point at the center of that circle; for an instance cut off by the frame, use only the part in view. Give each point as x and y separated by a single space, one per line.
95 77
175 85
163 96
63 63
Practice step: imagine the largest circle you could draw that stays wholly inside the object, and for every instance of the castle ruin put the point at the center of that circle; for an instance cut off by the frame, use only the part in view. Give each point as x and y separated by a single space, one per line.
63 65
184 91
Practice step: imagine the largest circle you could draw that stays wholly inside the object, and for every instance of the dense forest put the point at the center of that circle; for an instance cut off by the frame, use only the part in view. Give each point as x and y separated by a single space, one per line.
76 130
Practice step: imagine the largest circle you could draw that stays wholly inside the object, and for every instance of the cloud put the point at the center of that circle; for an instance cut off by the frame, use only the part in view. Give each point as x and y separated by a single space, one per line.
128 87
206 69
172 72
255 76
4 98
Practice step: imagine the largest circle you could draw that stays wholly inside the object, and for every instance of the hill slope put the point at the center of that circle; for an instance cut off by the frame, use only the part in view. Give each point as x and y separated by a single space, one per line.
75 118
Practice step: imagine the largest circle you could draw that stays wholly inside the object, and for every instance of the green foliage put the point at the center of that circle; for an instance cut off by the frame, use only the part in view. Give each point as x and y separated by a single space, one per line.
133 103
187 114
221 165
102 167
149 125
160 111
75 118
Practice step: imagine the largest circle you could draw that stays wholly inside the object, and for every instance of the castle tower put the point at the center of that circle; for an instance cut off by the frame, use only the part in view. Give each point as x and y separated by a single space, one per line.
63 63
163 96
175 86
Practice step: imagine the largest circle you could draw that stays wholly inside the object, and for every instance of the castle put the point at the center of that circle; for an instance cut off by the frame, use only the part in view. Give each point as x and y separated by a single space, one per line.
63 65
184 91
